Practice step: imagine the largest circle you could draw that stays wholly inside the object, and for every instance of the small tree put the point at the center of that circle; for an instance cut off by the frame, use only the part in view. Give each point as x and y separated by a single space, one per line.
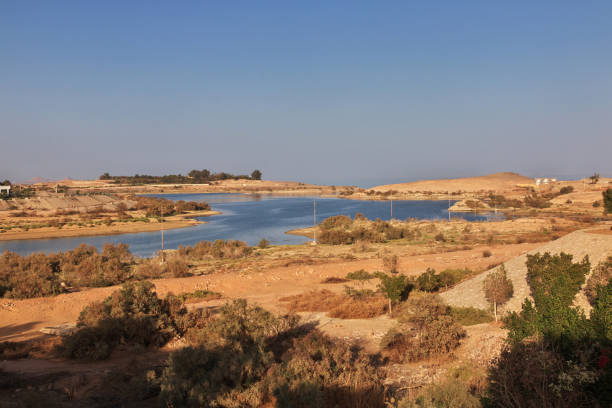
256 175
498 288
428 281
263 243
594 178
362 276
607 200
394 287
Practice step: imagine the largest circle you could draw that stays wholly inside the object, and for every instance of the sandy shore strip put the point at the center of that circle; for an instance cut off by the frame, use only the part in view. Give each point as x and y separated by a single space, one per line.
172 222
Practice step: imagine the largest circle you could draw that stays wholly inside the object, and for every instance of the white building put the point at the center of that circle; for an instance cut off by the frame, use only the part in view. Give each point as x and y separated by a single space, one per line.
5 189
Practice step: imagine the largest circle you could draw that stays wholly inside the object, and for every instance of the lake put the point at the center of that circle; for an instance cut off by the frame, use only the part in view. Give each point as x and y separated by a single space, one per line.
248 218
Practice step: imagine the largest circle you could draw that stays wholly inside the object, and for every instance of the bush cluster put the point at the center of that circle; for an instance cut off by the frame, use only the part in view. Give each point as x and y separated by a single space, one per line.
174 266
501 201
426 329
342 230
430 281
42 275
156 207
39 275
194 177
536 201
133 315
219 249
556 355
249 358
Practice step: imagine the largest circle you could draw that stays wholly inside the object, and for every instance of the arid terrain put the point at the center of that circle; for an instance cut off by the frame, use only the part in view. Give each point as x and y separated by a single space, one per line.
304 279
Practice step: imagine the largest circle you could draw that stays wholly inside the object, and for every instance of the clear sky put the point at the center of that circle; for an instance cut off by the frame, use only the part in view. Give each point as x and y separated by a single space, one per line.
335 92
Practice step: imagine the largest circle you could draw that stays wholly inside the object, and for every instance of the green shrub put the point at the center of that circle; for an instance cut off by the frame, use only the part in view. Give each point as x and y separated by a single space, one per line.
360 275
450 277
556 356
566 190
428 281
601 315
395 288
554 282
555 276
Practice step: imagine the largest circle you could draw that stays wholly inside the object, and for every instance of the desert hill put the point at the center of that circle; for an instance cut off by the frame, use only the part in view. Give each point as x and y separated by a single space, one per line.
497 182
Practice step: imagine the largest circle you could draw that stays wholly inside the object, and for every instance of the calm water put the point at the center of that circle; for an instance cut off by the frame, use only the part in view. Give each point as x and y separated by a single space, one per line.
247 218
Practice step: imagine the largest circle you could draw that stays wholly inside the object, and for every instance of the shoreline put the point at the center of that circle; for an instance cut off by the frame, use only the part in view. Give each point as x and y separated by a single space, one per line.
170 223
355 196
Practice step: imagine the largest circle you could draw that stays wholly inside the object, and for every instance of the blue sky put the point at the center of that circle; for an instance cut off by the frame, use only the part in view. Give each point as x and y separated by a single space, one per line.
335 92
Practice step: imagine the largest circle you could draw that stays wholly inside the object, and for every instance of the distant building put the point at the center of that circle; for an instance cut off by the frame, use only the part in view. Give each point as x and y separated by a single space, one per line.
5 190
539 181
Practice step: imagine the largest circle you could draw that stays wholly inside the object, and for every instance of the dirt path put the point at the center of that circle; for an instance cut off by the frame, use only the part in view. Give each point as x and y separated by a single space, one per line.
22 319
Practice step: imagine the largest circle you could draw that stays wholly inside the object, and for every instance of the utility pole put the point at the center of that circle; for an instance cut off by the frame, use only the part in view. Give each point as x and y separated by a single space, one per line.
314 227
161 213
391 219
449 209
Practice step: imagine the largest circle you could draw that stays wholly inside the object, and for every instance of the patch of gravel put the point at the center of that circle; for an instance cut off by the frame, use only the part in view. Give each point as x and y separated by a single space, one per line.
579 243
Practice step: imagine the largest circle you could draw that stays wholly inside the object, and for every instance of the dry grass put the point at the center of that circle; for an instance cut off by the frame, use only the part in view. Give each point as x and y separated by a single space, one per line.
337 305
37 348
